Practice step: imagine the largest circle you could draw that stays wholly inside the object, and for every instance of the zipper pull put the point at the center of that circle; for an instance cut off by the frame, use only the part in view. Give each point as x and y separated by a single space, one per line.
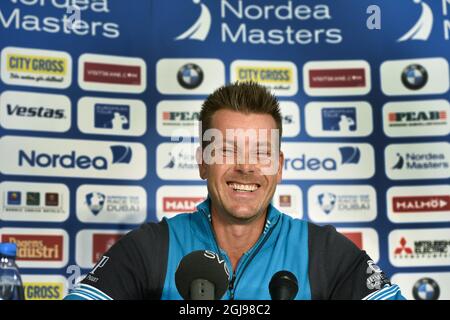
231 286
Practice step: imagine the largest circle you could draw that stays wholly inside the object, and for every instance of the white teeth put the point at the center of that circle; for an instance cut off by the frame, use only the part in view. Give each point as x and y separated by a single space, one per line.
243 187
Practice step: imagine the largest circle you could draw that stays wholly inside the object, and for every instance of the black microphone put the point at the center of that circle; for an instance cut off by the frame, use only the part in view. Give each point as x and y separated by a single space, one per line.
202 275
283 286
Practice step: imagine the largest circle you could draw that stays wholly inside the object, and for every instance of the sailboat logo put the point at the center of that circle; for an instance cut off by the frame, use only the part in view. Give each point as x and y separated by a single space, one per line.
200 29
422 29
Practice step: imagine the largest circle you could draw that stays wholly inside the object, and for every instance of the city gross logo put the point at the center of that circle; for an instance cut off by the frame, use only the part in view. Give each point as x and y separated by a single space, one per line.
35 112
264 75
349 155
32 247
43 291
36 64
181 204
426 289
120 154
411 204
190 76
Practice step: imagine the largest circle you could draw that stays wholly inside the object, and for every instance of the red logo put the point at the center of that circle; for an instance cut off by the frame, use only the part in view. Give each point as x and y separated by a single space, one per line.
32 247
337 78
101 243
355 237
403 247
112 73
433 203
181 204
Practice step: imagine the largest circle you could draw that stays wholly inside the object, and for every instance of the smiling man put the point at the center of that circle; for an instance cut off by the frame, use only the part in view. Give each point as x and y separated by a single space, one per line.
241 160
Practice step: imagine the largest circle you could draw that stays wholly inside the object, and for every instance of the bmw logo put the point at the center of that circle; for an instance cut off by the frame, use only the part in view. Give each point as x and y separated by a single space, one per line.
190 76
414 77
426 289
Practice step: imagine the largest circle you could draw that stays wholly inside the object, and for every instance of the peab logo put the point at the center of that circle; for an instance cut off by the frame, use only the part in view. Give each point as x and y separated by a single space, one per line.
35 111
328 161
72 158
178 118
417 118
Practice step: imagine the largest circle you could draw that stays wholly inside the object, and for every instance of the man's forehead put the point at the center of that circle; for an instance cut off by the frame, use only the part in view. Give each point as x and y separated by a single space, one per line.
224 119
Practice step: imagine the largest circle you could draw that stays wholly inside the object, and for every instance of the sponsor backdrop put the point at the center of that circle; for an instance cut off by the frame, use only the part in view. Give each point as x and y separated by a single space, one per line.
99 106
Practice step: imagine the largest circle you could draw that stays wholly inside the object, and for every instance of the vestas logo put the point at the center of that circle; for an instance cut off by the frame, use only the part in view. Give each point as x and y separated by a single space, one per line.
423 27
120 154
200 29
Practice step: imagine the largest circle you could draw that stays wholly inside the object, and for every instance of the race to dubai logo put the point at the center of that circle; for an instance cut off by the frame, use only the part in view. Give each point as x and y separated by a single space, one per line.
423 27
200 29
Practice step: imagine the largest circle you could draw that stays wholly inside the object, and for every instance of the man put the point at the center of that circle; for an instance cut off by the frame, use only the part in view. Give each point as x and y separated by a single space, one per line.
241 160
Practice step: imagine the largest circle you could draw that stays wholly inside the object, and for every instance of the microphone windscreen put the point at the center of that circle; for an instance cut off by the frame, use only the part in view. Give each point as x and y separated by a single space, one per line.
283 286
202 264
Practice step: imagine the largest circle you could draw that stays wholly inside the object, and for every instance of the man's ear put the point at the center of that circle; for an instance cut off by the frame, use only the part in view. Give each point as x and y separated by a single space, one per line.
280 167
201 163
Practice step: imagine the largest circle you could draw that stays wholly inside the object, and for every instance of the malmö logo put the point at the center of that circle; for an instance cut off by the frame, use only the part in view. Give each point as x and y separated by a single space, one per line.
423 27
200 29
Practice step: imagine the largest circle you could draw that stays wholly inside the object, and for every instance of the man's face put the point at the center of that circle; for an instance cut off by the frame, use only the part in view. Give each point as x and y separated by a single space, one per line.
241 189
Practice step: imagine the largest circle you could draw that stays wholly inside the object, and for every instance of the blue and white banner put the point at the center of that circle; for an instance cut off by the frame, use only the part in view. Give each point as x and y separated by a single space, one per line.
92 92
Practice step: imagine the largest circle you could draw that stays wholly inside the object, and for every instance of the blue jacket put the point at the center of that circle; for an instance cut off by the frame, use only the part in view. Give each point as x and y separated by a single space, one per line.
327 265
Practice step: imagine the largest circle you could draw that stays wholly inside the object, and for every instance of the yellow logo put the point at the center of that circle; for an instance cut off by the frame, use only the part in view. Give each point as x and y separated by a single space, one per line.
43 290
36 64
264 75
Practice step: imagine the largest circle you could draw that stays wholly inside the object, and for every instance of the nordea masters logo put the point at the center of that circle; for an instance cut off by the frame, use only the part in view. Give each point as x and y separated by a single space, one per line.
72 158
